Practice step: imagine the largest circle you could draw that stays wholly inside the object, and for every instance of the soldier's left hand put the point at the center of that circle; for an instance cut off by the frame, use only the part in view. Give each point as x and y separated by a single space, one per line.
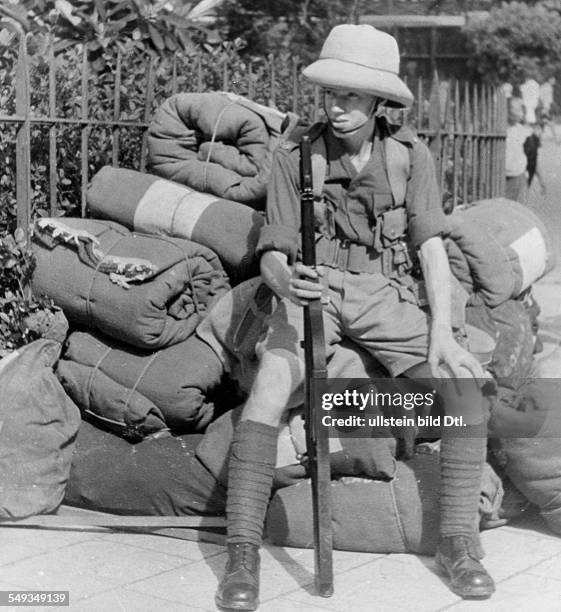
448 359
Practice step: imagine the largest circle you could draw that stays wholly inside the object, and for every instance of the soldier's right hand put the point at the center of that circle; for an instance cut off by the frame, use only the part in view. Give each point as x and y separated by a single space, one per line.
305 284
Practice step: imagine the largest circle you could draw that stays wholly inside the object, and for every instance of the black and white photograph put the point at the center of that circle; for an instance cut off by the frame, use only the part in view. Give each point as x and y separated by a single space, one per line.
280 305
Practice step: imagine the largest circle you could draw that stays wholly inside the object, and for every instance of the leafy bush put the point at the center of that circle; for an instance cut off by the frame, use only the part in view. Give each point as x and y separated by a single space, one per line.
160 26
516 41
20 313
219 67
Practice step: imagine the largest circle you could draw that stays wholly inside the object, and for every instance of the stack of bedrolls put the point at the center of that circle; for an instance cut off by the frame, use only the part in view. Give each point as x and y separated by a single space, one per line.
137 278
162 248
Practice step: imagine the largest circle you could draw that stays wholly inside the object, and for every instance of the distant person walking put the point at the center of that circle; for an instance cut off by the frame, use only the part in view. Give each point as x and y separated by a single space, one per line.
530 92
546 97
531 147
516 161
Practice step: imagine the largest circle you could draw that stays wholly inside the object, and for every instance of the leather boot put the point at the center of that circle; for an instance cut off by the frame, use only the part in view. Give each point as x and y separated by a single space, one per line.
239 589
457 558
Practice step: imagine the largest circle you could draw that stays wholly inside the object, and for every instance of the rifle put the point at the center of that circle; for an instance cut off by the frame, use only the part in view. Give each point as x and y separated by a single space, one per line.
317 441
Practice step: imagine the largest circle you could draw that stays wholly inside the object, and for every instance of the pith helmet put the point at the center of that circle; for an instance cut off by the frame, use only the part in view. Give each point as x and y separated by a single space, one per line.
361 58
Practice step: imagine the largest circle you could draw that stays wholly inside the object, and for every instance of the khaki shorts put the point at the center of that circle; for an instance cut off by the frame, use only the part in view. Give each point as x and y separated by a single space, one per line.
237 330
376 313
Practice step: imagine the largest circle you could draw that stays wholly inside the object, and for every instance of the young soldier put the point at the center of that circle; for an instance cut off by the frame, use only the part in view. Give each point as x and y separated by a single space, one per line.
365 292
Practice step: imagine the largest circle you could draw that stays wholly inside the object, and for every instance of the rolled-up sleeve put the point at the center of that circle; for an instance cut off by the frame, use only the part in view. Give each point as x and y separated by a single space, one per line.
281 231
426 217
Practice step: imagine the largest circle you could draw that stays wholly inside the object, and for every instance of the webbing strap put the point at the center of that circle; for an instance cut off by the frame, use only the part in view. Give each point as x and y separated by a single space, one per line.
398 167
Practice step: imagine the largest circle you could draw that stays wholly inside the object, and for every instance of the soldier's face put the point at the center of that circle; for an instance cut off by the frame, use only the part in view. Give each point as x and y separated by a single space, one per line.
347 110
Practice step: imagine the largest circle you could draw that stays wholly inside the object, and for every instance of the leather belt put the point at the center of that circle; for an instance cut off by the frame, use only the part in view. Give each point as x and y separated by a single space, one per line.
346 255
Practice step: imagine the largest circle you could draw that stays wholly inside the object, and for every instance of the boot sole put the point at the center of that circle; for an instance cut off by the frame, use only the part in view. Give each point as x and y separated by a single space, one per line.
483 592
236 606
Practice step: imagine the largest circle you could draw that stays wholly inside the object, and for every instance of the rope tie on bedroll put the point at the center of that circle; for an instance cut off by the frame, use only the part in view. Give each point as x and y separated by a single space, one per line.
212 141
95 369
140 377
187 265
91 378
250 477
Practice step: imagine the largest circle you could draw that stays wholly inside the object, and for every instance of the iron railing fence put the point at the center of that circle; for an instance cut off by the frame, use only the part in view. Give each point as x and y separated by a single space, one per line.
62 117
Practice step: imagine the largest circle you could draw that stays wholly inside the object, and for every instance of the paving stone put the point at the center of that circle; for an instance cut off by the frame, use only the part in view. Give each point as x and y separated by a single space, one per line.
510 551
386 584
194 583
194 551
88 567
125 600
521 593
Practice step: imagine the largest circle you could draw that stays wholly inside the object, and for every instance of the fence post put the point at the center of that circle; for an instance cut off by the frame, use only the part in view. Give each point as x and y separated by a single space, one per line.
435 144
53 178
273 84
456 139
115 144
150 82
295 87
250 85
23 139
85 133
174 74
465 132
501 129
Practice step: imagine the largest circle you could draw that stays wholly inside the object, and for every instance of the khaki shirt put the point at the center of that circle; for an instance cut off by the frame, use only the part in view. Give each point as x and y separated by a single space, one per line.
355 198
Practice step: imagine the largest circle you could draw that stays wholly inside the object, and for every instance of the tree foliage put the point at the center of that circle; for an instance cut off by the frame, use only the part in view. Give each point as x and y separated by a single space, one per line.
516 41
274 26
157 25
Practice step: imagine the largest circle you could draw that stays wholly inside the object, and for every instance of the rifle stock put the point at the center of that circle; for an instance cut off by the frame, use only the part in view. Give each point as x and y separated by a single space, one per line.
317 441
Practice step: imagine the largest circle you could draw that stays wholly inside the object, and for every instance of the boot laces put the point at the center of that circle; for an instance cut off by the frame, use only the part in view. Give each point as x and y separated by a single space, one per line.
463 544
243 554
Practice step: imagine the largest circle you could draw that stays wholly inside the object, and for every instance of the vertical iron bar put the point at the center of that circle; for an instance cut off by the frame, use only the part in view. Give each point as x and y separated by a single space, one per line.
445 138
23 139
483 148
474 159
501 129
273 85
85 132
489 139
482 145
492 139
52 130
435 144
116 112
250 86
456 146
150 81
199 72
295 89
225 76
420 104
495 141
466 144
174 74
483 111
